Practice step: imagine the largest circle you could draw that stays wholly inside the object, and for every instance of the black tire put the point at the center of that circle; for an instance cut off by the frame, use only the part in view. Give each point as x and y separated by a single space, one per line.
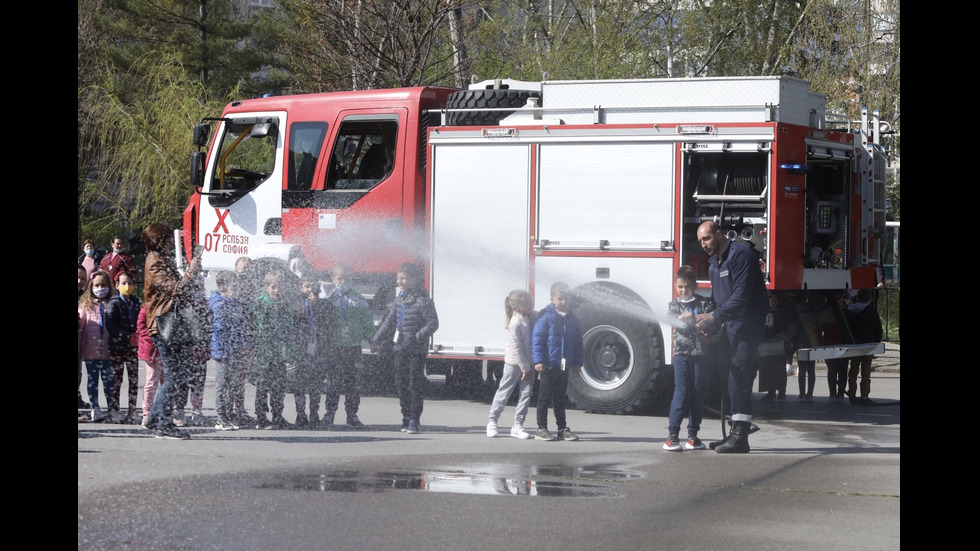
484 99
624 361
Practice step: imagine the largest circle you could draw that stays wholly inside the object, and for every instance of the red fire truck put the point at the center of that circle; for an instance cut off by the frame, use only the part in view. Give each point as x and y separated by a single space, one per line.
509 184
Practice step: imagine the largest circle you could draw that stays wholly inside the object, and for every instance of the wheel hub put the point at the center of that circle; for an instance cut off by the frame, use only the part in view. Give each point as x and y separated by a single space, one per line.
611 356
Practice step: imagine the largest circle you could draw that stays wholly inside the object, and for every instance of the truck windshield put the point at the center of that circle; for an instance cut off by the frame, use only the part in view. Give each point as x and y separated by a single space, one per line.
246 155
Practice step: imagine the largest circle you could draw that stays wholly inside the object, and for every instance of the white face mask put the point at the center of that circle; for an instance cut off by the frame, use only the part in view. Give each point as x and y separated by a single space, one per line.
101 292
117 251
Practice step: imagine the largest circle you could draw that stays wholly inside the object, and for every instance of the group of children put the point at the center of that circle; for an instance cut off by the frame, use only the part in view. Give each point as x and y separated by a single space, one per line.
551 344
301 342
312 347
108 313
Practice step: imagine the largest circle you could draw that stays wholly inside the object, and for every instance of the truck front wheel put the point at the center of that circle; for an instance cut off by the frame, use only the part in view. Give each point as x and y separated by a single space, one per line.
623 361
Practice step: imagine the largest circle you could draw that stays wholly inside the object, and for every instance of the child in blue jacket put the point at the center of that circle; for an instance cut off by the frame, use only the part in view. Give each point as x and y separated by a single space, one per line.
229 341
556 350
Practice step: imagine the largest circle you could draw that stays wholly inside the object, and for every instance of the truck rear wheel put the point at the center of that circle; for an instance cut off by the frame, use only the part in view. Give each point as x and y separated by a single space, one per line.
623 361
484 99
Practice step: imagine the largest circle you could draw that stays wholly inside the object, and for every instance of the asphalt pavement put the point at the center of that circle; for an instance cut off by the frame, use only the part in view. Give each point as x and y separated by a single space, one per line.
821 475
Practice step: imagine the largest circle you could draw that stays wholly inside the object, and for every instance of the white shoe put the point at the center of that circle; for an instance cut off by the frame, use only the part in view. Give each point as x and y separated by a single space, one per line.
491 429
98 415
517 431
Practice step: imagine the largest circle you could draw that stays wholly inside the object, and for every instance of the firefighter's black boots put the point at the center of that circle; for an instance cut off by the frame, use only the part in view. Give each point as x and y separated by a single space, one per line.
737 441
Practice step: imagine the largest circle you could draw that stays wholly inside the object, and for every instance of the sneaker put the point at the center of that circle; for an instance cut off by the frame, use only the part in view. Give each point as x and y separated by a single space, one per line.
301 422
225 425
673 443
98 415
314 424
179 417
543 434
801 397
354 423
263 424
781 397
693 443
82 404
808 397
405 424
328 419
517 431
865 401
491 429
413 427
172 434
567 435
281 424
197 419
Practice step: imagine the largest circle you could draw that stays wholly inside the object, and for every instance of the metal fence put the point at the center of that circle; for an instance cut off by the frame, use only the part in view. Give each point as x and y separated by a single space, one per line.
888 302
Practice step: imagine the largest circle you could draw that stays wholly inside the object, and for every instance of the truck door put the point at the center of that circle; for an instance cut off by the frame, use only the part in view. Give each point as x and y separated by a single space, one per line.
345 195
241 190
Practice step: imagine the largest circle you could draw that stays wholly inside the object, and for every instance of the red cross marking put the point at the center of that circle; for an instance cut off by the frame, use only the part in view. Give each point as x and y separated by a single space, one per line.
221 220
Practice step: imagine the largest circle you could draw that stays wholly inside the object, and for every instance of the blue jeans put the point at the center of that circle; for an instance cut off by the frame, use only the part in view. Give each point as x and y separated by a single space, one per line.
173 392
99 369
690 389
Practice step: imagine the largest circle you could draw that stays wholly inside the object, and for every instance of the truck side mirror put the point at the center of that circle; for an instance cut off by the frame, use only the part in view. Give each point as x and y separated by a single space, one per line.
261 130
201 134
197 169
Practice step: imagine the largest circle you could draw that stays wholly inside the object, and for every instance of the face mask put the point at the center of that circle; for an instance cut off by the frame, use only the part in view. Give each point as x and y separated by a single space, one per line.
101 292
117 251
125 289
89 252
341 288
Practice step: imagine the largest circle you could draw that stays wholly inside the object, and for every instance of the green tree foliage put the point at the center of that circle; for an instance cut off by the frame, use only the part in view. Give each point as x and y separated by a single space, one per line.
530 40
149 69
137 128
362 44
214 41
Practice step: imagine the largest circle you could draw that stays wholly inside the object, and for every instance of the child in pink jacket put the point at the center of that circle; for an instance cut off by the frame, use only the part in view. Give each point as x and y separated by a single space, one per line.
150 356
93 340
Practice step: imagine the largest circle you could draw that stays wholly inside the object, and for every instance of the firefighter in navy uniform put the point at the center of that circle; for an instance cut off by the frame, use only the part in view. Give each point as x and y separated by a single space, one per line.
739 291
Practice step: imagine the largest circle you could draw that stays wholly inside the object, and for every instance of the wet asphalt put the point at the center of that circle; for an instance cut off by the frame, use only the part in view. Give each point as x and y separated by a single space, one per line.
821 475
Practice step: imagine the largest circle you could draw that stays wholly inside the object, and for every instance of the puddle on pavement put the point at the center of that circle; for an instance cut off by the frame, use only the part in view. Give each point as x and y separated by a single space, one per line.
559 481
